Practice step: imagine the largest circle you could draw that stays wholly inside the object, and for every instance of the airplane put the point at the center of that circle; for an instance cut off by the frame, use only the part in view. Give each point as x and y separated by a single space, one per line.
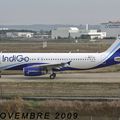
37 64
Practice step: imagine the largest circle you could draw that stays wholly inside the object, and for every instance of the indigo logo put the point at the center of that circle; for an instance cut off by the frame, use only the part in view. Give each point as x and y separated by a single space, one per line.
14 58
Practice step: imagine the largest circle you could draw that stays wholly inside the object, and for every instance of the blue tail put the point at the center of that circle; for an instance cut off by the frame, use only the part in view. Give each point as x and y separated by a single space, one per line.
111 55
114 47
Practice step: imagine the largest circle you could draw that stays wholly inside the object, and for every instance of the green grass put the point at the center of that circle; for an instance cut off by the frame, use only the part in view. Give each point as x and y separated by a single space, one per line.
59 89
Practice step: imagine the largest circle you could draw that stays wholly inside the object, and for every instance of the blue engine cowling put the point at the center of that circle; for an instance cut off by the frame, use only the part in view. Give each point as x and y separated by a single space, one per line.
32 71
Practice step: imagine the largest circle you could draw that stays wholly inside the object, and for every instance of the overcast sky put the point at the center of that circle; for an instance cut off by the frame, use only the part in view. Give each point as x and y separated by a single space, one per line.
58 11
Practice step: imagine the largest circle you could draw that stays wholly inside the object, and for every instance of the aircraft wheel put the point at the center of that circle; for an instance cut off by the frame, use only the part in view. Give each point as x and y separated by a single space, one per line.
52 76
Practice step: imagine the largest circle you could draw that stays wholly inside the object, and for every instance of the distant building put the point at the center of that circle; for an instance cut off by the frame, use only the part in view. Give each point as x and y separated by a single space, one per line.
11 34
25 34
74 32
42 35
111 28
19 34
4 29
65 32
94 34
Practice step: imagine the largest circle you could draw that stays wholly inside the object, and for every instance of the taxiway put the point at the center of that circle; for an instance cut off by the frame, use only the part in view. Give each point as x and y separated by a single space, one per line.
111 77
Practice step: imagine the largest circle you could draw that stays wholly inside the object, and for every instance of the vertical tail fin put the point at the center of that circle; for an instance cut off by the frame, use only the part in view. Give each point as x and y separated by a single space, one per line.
114 47
112 55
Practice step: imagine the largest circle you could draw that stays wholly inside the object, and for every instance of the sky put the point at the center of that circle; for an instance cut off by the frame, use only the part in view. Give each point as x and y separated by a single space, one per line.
25 12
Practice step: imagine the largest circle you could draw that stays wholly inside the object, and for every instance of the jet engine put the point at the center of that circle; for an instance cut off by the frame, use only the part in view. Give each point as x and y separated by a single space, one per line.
34 71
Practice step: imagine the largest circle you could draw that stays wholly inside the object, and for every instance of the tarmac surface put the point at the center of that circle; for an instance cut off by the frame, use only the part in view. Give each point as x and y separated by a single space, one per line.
113 77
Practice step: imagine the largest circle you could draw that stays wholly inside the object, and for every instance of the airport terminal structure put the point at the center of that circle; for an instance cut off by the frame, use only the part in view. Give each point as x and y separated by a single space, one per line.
74 32
109 29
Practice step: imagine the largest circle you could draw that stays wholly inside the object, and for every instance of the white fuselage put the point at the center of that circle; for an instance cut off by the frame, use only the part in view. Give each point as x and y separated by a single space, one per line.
78 60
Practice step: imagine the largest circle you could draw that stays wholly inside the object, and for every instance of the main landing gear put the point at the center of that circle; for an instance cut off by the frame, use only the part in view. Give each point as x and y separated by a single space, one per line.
52 76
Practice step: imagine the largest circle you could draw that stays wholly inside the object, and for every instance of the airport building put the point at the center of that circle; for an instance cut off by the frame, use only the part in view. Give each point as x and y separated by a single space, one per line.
94 34
2 29
73 32
65 32
111 28
20 34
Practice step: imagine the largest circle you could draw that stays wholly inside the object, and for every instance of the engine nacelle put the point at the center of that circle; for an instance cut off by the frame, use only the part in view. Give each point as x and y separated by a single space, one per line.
33 71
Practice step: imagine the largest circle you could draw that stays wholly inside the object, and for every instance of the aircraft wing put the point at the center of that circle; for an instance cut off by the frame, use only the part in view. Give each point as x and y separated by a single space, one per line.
52 66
